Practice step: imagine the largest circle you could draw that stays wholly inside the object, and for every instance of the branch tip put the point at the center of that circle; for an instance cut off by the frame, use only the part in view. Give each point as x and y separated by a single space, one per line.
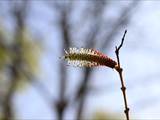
125 32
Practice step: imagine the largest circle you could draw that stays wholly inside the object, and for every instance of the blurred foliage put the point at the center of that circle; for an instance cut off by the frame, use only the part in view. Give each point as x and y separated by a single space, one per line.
22 46
101 115
30 51
4 52
29 55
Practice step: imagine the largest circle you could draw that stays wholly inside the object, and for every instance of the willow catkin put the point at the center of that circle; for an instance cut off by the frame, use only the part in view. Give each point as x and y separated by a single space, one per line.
88 58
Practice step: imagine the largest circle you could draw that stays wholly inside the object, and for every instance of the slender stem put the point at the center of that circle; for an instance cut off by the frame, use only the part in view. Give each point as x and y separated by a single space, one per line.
119 70
123 88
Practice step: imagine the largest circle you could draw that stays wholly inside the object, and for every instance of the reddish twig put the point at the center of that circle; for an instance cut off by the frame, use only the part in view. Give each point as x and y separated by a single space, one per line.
119 70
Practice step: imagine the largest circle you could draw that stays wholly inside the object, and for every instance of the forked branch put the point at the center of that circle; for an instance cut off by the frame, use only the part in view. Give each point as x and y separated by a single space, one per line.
119 70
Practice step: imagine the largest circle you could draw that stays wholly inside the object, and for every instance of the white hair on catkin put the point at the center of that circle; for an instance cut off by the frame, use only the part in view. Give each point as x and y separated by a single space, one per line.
87 58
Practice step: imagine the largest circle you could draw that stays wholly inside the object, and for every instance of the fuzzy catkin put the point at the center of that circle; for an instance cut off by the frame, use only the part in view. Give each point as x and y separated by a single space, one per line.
88 58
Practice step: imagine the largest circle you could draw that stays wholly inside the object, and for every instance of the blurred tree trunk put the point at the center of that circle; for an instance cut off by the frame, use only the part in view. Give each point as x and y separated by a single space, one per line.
65 33
15 50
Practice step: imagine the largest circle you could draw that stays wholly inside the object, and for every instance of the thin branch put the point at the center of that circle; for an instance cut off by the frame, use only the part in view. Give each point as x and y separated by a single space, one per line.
119 70
62 102
82 92
122 41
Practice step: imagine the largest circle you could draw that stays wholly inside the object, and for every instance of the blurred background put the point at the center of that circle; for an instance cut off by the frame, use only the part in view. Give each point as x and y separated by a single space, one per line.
36 84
